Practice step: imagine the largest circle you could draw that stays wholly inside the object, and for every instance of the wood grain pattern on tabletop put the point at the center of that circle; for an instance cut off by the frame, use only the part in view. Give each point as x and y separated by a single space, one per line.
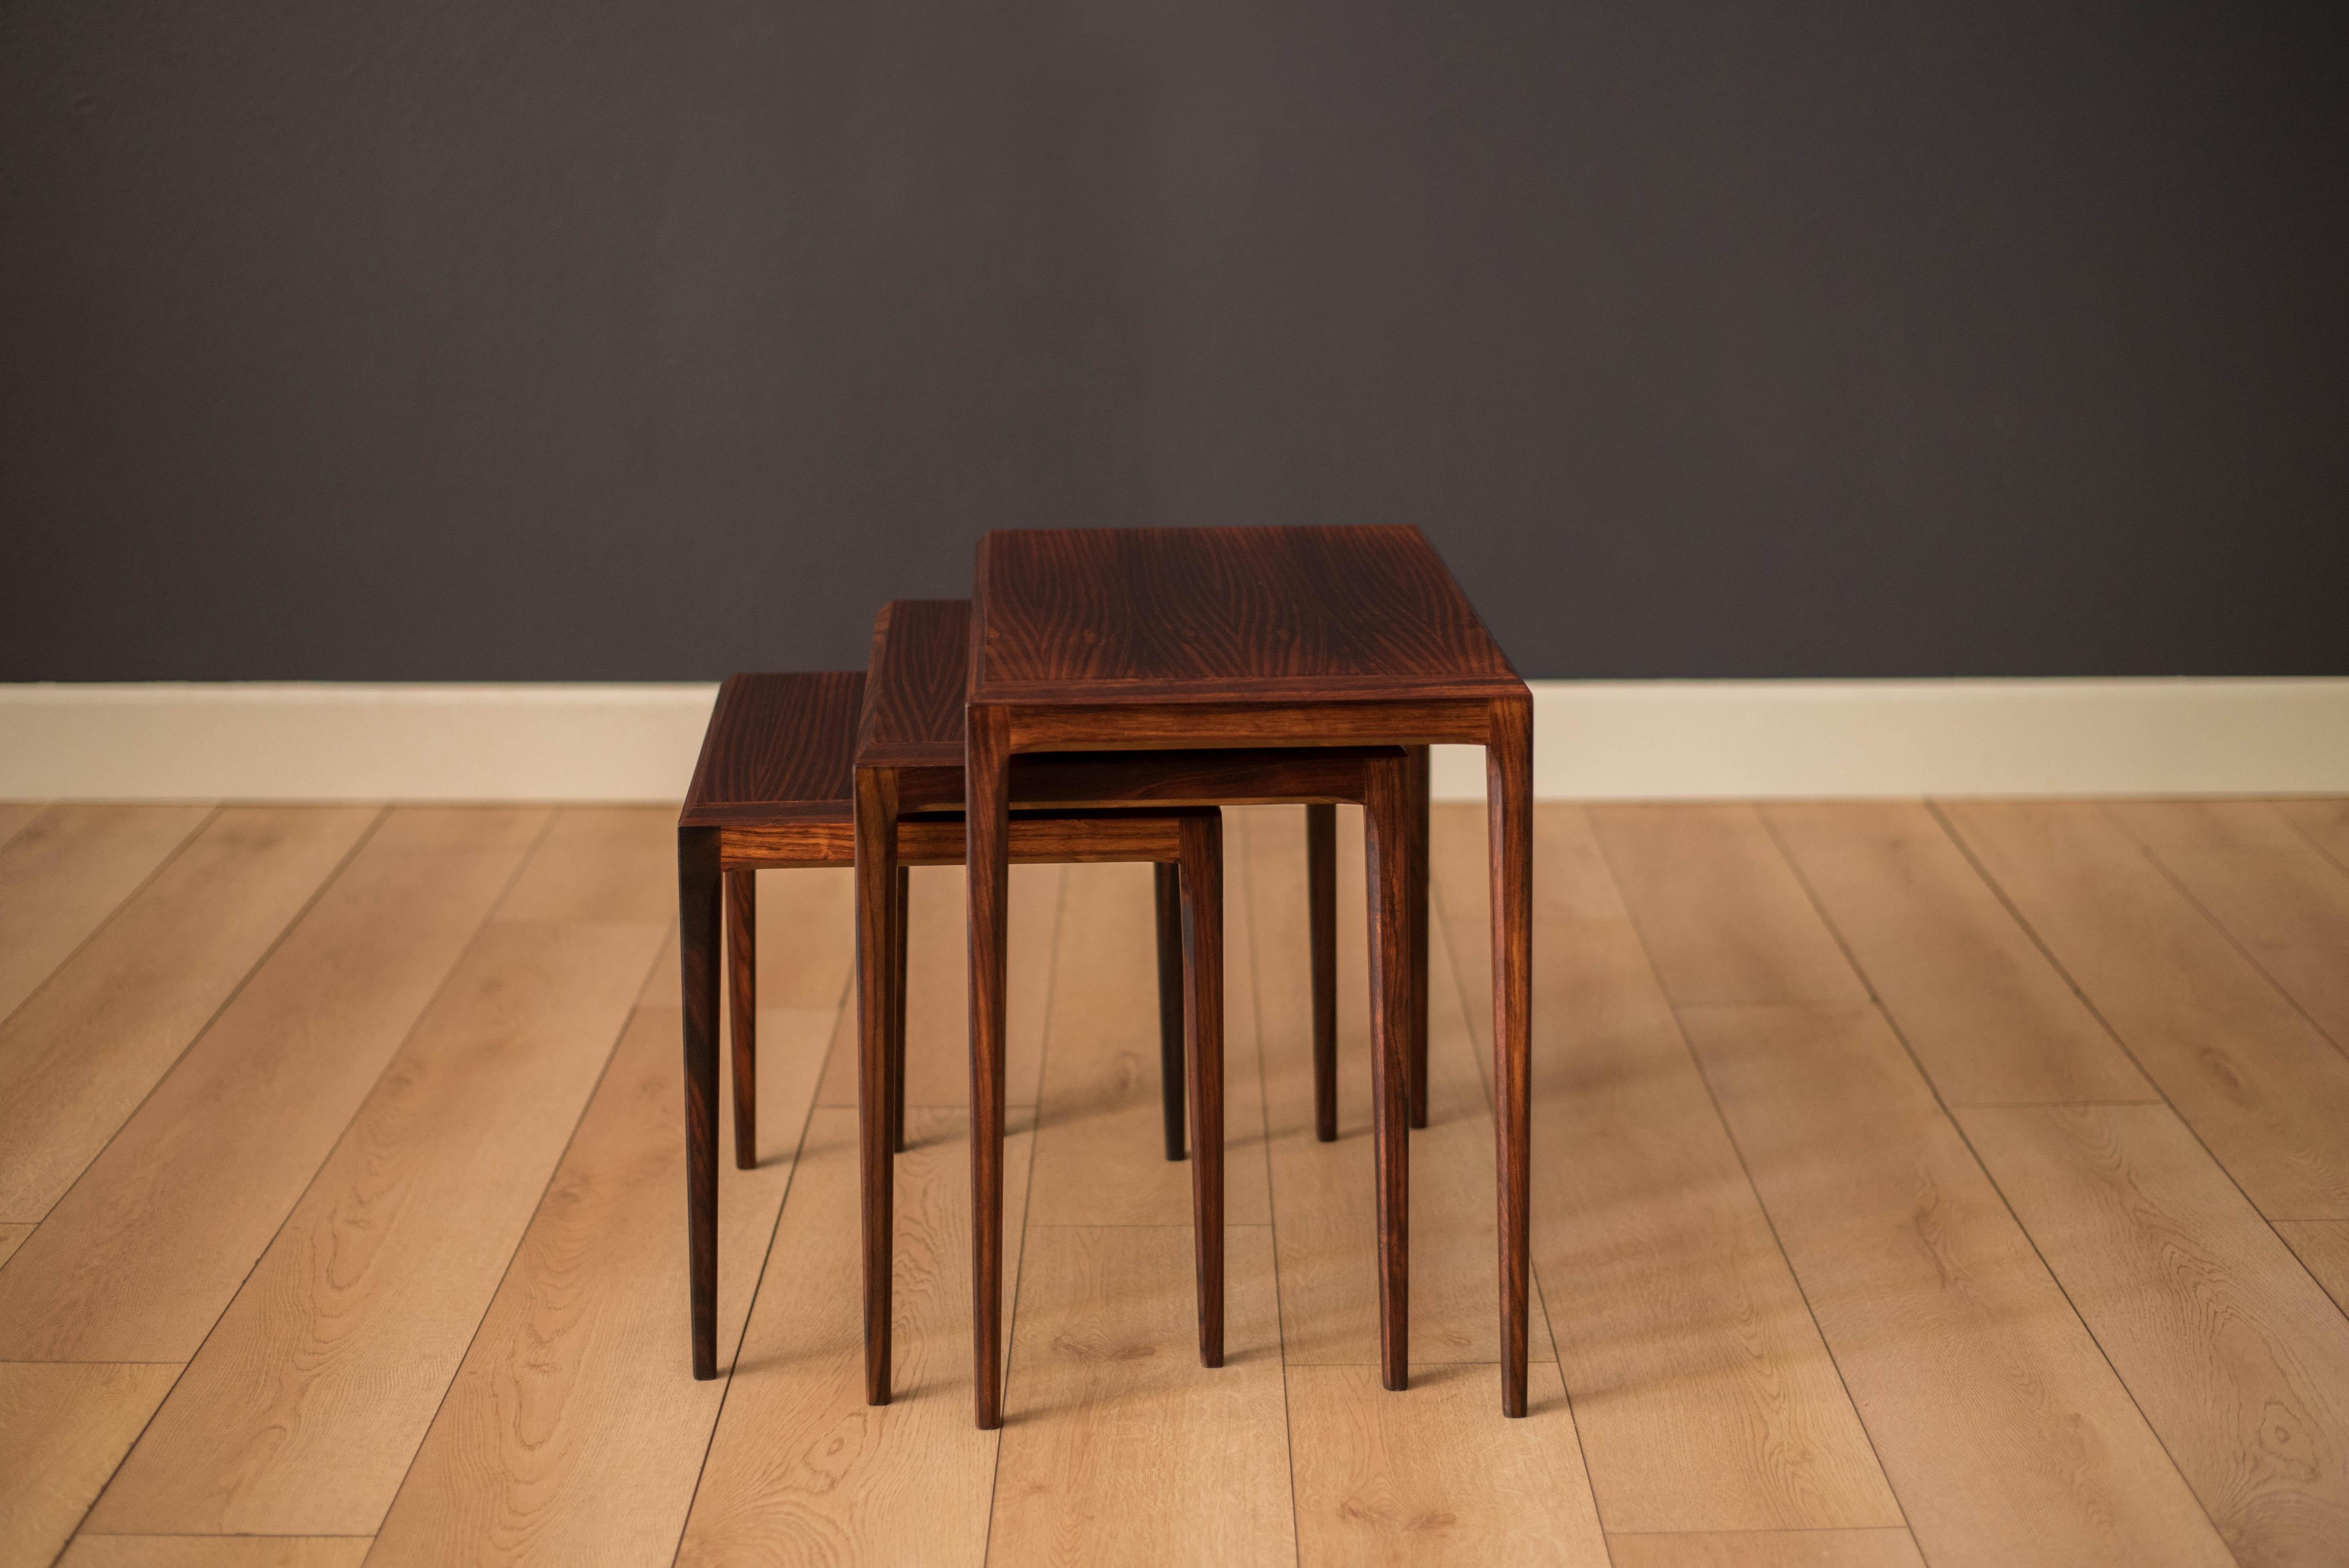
302 1412
1990 1019
80 1054
2236 1355
137 1260
1705 1396
801 1469
2255 1080
64 870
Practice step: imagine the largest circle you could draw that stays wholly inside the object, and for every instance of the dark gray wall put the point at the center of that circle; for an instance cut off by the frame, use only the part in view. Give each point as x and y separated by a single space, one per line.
580 340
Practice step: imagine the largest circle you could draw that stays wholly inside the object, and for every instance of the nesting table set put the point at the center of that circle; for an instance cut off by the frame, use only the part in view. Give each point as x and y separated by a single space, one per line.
1100 695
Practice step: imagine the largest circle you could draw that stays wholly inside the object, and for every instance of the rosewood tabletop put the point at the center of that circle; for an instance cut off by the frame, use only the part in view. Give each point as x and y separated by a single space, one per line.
1141 639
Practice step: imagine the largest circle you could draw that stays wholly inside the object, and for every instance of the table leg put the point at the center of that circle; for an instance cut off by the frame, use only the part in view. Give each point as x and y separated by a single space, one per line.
901 915
1321 918
1202 877
1168 878
742 1009
1508 761
986 789
877 901
1386 831
699 926
1415 908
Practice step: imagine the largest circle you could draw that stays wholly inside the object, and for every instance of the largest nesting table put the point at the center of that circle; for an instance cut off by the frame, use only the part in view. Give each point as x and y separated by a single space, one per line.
1191 639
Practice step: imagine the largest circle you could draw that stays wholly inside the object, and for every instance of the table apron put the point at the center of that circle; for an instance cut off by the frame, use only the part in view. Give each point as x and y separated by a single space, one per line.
1115 727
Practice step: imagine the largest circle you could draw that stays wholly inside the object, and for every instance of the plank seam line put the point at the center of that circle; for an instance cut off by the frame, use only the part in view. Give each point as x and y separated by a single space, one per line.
120 904
1243 826
2154 859
238 990
2314 842
751 1303
1439 920
1966 1140
1008 1315
2103 1022
1680 1026
40 809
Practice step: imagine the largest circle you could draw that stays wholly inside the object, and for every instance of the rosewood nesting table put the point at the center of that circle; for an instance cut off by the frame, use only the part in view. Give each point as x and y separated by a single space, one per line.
1141 639
772 791
909 763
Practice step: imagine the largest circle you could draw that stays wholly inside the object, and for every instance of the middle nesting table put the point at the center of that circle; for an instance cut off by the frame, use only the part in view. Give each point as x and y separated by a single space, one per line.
909 761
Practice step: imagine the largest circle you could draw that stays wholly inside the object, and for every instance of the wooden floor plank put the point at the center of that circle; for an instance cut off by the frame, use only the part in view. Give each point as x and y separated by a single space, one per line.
2325 824
1115 1433
11 1238
807 939
1767 946
801 1470
2006 1436
524 1461
216 1552
1990 1018
15 814
1325 1195
1706 1398
2323 1246
64 870
1786 1549
1101 1150
2268 887
937 988
1432 1476
63 1428
137 1262
77 1057
2263 1089
2236 1355
302 1412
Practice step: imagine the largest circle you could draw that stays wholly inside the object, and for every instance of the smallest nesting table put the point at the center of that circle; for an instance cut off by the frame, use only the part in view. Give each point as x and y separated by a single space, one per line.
1143 639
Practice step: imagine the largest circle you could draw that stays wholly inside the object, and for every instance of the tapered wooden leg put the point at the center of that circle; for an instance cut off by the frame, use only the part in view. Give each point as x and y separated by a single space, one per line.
1386 831
1415 907
1203 959
742 1006
987 778
1170 1003
699 926
876 890
900 917
1508 761
1321 917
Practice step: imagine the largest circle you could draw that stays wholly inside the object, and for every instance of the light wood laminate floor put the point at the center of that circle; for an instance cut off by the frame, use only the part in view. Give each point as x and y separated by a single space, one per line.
1956 1184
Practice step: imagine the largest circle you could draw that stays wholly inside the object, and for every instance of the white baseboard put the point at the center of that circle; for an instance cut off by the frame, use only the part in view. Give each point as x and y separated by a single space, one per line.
1593 740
